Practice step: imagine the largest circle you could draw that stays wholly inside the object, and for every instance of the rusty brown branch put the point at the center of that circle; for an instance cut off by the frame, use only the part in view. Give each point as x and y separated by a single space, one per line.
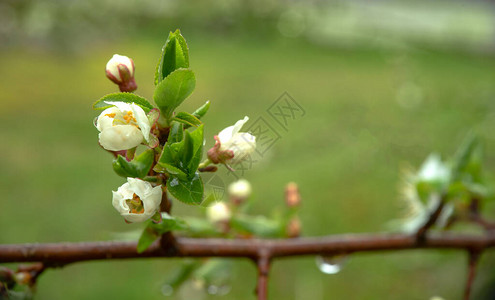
64 253
473 261
263 265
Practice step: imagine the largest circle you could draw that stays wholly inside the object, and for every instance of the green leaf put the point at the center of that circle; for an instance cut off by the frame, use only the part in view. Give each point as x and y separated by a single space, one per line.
187 191
164 167
260 226
176 133
175 55
200 227
173 90
184 155
187 118
182 274
123 97
139 167
196 138
464 154
200 112
154 230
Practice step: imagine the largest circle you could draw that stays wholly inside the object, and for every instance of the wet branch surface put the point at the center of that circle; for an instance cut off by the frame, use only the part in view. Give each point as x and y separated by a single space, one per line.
64 253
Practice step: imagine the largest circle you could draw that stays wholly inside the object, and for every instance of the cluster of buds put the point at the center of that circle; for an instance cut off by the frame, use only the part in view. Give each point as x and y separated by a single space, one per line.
120 70
292 195
232 146
293 201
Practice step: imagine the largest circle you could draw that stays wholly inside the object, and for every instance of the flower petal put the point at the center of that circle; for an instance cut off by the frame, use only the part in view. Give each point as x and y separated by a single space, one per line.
142 120
120 137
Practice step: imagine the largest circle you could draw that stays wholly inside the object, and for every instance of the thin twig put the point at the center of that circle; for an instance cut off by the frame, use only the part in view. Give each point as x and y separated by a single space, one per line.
263 264
473 261
421 233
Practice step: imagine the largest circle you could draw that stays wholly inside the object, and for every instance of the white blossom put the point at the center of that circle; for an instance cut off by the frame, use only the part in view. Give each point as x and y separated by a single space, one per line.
123 126
218 212
240 189
136 200
232 146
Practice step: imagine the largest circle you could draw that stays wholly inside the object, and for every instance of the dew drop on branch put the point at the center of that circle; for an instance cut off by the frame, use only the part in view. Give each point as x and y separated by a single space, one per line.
330 264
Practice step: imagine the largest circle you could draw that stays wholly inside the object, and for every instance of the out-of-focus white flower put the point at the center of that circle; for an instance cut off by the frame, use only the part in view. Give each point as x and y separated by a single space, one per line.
123 126
231 145
436 298
433 170
218 212
136 200
120 70
240 189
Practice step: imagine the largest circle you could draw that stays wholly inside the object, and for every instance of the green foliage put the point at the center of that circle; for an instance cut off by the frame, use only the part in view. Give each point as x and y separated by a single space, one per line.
257 225
173 90
138 167
180 160
175 55
153 230
202 110
189 191
187 119
122 97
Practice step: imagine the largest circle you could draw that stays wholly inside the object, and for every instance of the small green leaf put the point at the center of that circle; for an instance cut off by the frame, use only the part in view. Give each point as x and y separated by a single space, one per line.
196 137
258 225
184 155
200 227
187 191
176 133
187 118
463 155
164 167
154 230
139 167
173 90
200 112
175 55
123 97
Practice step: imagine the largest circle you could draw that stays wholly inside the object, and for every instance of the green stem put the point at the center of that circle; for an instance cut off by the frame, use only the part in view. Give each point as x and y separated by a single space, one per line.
204 164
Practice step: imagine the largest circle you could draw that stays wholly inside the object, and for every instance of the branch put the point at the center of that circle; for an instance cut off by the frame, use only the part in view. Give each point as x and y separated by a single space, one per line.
473 261
263 264
58 254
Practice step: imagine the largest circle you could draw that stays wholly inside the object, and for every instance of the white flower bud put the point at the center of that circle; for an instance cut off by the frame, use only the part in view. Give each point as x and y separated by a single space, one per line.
123 126
433 170
136 200
120 70
240 189
232 146
218 212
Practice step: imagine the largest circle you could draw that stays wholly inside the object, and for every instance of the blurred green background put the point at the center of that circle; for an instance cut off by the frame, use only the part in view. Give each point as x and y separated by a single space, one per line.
382 85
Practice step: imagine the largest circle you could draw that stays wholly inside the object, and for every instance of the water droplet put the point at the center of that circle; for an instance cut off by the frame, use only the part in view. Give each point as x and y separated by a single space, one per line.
167 290
219 290
331 264
174 182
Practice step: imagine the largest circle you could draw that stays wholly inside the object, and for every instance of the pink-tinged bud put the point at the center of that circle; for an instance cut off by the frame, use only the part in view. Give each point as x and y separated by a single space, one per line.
232 146
120 70
292 196
294 228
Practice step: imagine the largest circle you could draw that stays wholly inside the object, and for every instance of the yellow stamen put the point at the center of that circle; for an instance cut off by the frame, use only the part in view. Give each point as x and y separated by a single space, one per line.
112 115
